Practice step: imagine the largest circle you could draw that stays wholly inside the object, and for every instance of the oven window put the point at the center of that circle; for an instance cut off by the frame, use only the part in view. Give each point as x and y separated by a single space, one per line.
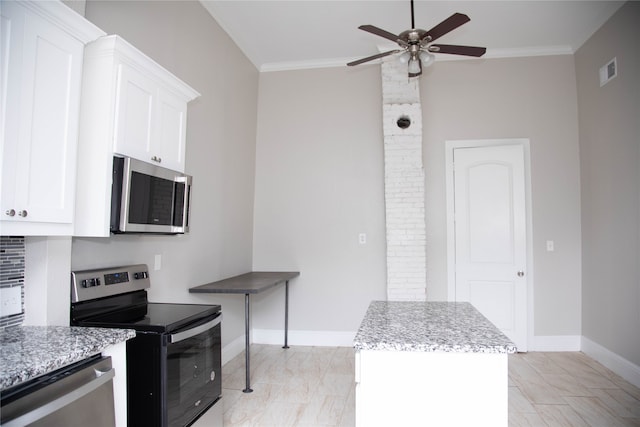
193 376
151 200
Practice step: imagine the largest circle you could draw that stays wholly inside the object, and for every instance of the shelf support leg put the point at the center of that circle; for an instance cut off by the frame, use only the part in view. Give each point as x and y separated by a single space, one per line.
286 314
247 365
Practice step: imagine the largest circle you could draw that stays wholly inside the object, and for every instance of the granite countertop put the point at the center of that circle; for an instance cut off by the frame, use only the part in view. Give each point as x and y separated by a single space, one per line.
29 351
456 327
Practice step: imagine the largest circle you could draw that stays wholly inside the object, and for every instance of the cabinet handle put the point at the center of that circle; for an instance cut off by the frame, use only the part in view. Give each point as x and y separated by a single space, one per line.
520 273
23 213
156 159
10 212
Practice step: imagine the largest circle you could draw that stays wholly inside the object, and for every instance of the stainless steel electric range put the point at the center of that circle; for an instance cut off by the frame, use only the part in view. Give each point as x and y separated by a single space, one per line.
173 363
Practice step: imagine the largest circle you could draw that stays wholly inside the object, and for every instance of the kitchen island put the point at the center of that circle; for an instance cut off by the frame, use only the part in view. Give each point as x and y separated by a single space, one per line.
430 364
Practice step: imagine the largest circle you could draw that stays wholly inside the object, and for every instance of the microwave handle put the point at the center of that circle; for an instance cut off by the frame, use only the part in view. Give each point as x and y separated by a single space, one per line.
181 336
187 195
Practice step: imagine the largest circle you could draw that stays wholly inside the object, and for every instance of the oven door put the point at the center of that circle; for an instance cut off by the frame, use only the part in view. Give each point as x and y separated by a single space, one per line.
194 381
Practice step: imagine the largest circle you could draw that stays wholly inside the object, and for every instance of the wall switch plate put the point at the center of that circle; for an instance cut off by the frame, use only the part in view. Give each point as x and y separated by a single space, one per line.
10 301
362 238
550 246
157 264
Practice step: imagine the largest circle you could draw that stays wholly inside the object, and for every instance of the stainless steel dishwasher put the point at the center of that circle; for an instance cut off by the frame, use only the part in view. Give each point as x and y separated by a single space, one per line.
80 394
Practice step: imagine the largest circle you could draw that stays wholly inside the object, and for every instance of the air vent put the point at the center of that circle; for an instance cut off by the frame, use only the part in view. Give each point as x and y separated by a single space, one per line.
608 72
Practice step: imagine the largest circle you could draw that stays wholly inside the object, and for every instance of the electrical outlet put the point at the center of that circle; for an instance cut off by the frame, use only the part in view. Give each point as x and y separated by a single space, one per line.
362 238
10 301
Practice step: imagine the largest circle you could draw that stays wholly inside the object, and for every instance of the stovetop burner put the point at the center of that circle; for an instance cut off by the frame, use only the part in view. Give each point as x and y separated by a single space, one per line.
159 317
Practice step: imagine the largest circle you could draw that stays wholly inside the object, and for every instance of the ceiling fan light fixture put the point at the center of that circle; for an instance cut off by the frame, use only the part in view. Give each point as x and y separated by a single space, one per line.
427 58
414 67
404 57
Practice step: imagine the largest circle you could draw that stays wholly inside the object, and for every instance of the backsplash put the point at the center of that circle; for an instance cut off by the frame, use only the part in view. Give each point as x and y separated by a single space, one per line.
12 254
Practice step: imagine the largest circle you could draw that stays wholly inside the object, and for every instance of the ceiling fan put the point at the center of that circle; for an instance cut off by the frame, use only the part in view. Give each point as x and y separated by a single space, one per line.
416 44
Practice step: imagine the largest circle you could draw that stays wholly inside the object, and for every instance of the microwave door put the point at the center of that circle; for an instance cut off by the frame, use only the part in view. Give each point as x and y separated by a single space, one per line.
147 199
150 203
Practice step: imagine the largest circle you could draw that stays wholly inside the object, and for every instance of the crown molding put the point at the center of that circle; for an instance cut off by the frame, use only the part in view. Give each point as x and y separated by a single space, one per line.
491 54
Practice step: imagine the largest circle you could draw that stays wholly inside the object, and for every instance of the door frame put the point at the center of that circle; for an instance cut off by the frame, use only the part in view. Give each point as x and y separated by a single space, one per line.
450 146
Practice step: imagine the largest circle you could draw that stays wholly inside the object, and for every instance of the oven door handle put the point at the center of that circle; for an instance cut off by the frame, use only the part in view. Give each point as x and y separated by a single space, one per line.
181 336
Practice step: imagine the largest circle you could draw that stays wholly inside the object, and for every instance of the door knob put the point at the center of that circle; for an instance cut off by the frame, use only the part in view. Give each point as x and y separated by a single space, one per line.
520 273
10 212
23 213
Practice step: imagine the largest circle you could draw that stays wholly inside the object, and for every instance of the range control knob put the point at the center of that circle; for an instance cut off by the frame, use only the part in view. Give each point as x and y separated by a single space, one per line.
141 275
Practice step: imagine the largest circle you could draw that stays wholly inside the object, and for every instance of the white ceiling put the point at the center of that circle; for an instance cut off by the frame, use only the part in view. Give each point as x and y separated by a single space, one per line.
293 34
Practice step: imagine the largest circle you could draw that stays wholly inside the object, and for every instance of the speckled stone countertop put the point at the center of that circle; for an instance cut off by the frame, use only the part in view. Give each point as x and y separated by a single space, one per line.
29 351
456 327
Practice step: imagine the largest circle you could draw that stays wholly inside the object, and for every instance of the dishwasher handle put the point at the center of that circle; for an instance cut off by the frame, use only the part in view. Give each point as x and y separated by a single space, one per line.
101 378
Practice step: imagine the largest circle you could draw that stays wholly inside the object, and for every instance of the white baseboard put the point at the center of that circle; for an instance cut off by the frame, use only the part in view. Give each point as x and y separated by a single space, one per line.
618 364
233 349
276 337
312 338
555 343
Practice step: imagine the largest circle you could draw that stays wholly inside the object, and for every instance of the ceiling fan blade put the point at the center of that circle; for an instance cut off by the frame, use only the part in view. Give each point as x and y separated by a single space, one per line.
372 57
382 33
449 24
457 50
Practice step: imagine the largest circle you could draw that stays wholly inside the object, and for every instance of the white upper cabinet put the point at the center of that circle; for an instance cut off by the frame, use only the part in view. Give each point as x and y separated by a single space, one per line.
130 106
134 113
150 120
145 105
42 47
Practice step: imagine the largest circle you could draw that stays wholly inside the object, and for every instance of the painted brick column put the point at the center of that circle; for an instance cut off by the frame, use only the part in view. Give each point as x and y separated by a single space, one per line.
404 184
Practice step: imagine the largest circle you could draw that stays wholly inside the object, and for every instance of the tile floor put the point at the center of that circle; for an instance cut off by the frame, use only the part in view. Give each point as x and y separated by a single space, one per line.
314 386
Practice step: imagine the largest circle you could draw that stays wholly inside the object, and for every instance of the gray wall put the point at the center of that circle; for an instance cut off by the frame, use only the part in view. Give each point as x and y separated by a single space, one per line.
531 98
319 180
609 123
221 129
319 183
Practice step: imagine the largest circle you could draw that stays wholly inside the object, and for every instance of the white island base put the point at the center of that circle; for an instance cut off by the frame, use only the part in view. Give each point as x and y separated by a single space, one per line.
406 388
430 364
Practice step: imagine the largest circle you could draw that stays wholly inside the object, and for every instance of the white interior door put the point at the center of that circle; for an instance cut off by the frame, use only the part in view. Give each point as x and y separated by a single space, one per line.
489 202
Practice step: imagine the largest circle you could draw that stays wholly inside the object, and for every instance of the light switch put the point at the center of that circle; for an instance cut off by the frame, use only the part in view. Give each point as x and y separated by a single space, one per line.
158 262
362 238
550 246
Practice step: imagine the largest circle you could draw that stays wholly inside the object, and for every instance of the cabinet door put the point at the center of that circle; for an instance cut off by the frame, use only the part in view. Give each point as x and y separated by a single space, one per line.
42 88
172 121
134 114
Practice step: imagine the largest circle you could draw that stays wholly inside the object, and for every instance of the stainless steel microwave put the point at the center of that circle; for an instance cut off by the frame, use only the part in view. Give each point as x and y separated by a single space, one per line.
146 198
